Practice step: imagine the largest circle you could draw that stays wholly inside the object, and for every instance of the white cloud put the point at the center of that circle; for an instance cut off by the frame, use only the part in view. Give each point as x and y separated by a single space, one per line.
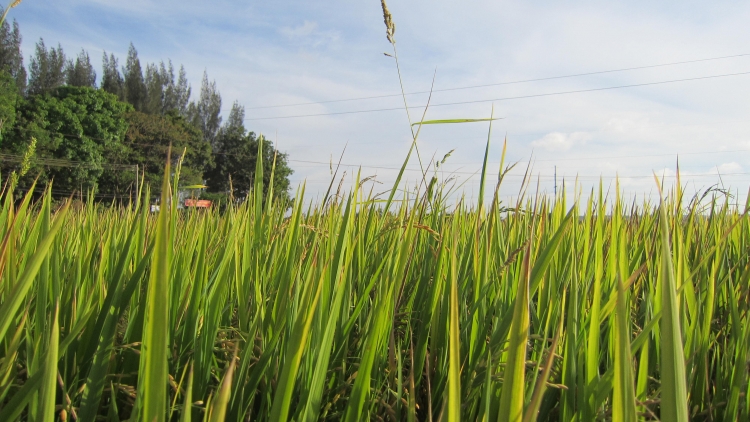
726 168
557 141
628 123
666 172
309 34
303 30
554 141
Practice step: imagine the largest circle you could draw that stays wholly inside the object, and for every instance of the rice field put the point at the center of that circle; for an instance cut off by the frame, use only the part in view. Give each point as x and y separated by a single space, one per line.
410 307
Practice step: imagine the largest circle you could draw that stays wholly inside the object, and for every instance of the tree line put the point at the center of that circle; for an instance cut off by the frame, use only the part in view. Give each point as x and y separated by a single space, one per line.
98 135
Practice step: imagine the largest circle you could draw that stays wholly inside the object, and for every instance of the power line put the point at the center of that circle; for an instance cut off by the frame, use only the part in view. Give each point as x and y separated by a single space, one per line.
430 139
477 172
24 190
580 158
165 147
501 83
57 162
635 156
70 163
548 94
131 194
73 163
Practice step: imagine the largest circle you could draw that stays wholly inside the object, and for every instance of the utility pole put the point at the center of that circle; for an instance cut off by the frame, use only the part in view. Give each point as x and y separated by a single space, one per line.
555 182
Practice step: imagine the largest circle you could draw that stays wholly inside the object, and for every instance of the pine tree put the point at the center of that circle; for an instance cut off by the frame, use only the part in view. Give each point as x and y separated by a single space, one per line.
8 102
205 114
112 81
11 58
164 95
135 87
46 70
166 74
176 95
182 93
236 120
81 73
155 83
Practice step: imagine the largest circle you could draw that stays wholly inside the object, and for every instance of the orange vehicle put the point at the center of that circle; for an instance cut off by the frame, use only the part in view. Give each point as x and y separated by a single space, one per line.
198 203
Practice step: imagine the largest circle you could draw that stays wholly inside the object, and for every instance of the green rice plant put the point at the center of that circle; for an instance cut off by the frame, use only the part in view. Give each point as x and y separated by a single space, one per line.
154 357
454 353
623 400
674 405
512 397
344 311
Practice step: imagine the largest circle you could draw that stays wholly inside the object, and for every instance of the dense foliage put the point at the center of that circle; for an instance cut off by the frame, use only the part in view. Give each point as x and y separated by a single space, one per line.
74 124
149 137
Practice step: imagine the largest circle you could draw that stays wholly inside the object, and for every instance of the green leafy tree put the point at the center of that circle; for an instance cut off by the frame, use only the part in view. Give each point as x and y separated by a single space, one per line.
46 69
79 133
235 155
148 138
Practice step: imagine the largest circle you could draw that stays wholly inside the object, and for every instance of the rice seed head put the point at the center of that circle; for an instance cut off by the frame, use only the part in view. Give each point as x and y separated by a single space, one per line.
28 155
390 27
15 3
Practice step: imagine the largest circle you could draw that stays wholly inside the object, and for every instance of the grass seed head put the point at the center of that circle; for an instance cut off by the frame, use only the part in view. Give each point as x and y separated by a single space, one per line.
390 27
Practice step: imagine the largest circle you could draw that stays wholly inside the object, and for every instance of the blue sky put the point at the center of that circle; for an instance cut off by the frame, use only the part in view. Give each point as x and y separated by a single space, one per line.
288 52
